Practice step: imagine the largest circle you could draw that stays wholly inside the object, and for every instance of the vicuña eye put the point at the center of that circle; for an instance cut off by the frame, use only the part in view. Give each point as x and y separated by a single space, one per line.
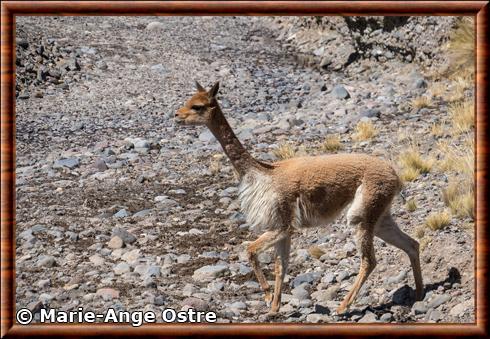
197 108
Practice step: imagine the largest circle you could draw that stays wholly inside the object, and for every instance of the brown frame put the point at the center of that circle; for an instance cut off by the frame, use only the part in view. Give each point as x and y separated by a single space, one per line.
9 9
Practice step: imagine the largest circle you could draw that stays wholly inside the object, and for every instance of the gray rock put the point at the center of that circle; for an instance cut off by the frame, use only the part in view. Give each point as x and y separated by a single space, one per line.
216 286
100 165
96 260
387 317
238 305
108 293
457 310
317 318
321 309
70 163
115 242
420 83
210 272
369 317
121 214
46 261
121 268
370 113
206 136
125 236
300 292
155 25
419 307
435 315
438 300
142 213
306 278
340 92
152 271
188 290
159 300
195 303
44 283
342 275
397 279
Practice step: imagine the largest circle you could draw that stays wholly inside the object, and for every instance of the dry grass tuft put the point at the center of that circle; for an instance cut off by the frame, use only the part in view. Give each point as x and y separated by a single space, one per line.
420 102
459 197
409 174
437 89
423 243
411 205
461 47
412 160
284 151
332 143
438 220
419 232
437 130
364 131
462 116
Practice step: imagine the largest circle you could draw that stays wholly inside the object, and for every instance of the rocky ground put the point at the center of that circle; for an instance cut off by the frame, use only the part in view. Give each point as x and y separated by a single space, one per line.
118 207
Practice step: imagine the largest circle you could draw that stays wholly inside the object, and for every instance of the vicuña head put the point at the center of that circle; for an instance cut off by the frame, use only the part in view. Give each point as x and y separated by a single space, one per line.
199 109
305 192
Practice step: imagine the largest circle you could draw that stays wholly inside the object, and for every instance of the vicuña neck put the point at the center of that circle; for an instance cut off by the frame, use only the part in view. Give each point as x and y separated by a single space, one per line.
239 156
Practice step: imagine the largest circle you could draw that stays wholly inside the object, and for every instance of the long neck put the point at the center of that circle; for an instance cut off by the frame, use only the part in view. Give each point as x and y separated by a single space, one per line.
240 158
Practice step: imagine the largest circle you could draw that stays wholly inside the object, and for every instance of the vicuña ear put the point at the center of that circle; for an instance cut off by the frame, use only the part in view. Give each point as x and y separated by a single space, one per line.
199 87
214 90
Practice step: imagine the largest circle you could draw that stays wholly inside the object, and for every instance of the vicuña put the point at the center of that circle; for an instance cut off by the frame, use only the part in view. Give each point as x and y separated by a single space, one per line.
304 192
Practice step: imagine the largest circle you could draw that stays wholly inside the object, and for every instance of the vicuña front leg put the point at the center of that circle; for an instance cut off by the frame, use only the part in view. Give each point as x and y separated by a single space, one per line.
281 266
264 242
368 263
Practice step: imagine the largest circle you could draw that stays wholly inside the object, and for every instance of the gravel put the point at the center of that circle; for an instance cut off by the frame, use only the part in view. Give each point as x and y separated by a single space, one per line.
119 207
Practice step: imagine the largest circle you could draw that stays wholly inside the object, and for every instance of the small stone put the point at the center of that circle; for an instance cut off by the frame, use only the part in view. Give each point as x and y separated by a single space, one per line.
126 237
305 278
342 275
371 113
340 92
155 25
43 283
210 272
420 83
159 300
115 242
195 303
438 300
386 317
142 213
100 165
457 310
46 261
419 307
121 214
108 293
188 290
369 317
435 315
96 260
121 268
300 292
238 305
68 163
315 251
207 136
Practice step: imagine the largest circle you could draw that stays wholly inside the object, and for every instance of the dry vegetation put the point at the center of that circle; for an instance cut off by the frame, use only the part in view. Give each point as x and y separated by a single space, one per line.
412 162
364 130
284 151
421 102
438 220
411 205
332 143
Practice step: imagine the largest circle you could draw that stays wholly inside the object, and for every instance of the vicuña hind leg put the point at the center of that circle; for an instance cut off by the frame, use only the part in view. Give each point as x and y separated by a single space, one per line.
281 266
368 263
265 241
388 230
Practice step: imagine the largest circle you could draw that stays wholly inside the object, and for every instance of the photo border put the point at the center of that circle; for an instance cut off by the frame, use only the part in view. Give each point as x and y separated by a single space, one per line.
11 9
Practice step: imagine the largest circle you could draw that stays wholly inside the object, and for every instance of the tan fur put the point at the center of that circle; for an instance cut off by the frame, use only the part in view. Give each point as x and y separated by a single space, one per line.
307 192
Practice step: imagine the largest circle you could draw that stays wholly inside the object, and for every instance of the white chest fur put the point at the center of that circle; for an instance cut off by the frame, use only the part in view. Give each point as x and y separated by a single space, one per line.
259 201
